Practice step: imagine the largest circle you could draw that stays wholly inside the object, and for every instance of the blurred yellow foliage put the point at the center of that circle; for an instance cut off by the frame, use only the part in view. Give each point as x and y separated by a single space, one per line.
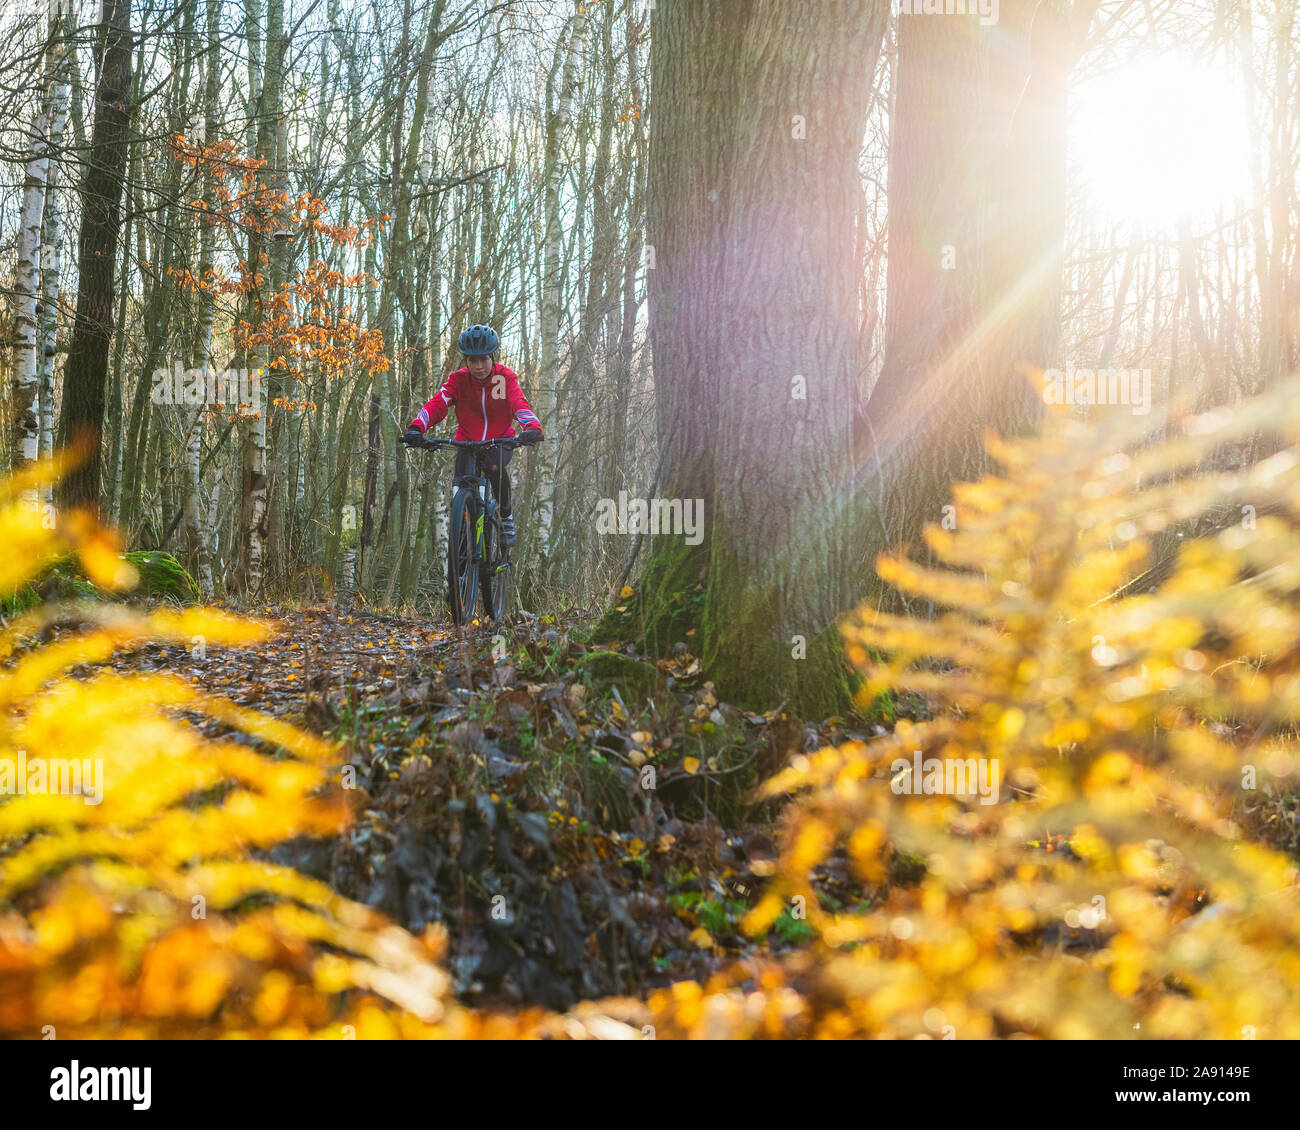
130 905
1129 720
1132 720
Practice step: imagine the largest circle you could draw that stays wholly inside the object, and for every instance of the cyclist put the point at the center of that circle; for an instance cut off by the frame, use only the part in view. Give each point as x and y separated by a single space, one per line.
488 403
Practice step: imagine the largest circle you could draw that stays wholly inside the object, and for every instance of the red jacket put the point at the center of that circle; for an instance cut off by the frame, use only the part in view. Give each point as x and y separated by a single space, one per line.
483 411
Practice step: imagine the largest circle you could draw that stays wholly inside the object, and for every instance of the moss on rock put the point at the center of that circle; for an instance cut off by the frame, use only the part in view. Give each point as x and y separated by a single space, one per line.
667 603
634 678
163 577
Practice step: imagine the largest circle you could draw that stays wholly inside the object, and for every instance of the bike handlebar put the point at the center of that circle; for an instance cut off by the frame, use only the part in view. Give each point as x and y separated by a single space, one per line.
432 443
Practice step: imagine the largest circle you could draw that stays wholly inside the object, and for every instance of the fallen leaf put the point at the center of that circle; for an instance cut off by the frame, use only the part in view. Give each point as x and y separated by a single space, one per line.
499 766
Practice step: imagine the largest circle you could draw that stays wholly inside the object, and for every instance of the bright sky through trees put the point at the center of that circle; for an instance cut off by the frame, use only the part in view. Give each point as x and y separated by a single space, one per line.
1161 138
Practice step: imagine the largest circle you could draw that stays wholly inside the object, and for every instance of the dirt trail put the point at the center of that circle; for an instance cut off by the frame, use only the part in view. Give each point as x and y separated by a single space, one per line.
312 652
506 799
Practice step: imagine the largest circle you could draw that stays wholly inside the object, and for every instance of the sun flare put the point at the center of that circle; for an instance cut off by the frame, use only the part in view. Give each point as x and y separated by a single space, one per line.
1160 140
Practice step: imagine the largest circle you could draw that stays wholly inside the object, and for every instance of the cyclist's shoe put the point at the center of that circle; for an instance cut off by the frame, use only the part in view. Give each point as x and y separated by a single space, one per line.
508 528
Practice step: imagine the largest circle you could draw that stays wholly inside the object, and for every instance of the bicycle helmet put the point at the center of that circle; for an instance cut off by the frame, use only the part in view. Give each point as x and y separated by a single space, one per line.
479 341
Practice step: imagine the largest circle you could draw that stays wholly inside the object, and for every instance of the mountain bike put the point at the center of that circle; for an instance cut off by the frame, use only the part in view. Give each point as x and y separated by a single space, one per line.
478 558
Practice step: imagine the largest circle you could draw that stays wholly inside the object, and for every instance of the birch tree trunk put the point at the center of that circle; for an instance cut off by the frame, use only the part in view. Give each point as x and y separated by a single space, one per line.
52 238
44 138
254 506
51 268
197 519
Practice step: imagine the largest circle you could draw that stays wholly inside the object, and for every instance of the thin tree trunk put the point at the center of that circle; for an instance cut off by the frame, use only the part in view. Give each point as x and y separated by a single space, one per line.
198 519
557 127
51 268
52 237
632 264
86 371
262 129
34 254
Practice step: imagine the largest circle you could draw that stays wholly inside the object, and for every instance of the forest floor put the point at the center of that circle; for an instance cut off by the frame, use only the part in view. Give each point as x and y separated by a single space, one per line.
580 818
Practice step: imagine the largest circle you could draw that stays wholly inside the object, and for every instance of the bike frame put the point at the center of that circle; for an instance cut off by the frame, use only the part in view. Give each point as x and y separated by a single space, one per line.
471 491
475 483
476 488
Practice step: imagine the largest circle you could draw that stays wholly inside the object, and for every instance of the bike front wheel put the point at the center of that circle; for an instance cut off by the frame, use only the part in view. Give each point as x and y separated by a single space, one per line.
495 571
462 564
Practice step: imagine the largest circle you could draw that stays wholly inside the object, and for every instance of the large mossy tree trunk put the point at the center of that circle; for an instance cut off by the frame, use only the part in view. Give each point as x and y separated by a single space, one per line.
977 198
759 109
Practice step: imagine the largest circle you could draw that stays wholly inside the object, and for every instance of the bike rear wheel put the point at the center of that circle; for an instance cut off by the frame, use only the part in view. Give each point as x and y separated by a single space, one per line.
462 568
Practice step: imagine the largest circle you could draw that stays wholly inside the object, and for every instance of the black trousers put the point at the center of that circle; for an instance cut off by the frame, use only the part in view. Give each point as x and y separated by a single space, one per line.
494 464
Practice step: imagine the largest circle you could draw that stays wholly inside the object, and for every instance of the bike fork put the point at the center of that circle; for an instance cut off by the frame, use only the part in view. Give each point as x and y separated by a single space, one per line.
490 510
